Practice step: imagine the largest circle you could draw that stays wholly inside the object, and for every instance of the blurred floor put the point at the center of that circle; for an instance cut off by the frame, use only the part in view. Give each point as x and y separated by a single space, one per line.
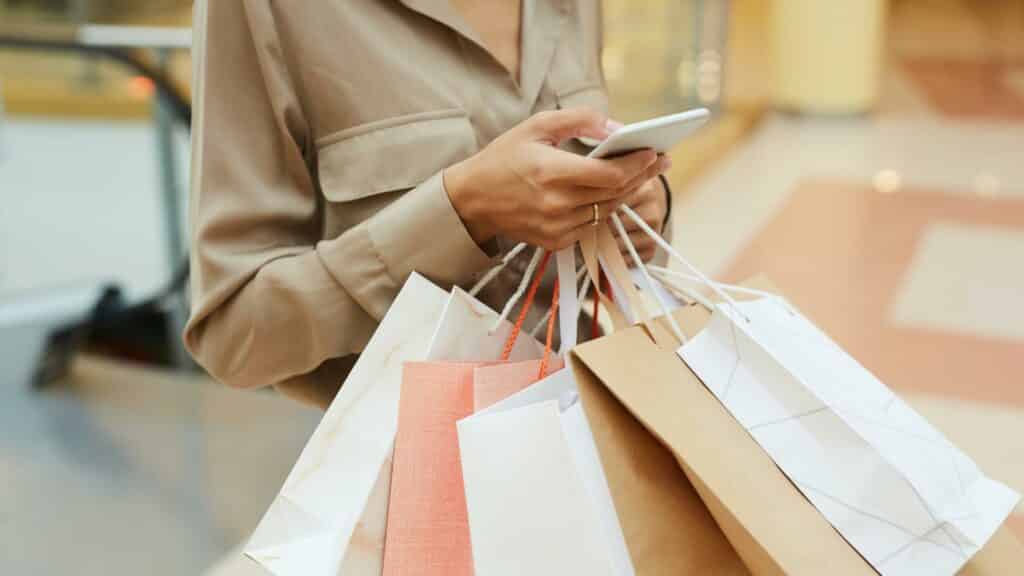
123 470
901 233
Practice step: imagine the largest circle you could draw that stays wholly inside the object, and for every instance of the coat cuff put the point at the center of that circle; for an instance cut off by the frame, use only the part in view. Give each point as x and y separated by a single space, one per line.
422 232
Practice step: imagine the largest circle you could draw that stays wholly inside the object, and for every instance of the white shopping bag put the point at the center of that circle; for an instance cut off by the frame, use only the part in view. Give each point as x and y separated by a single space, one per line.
344 467
466 332
894 487
537 496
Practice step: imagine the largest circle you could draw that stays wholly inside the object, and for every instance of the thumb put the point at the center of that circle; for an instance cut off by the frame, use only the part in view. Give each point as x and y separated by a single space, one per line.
557 126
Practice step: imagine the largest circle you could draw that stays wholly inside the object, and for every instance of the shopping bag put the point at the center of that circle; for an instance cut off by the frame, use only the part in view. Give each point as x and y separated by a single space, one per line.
428 530
328 518
901 494
427 524
673 418
907 499
466 333
666 524
538 502
492 383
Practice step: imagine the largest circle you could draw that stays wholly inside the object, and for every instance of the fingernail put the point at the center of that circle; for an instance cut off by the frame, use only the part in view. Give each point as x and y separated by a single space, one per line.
612 125
666 162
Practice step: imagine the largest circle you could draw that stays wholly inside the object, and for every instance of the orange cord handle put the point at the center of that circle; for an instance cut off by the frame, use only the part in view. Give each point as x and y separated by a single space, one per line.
527 304
551 335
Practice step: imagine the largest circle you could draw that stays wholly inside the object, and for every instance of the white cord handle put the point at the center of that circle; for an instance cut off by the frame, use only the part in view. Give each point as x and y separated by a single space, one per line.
523 284
493 272
668 275
675 254
662 271
647 277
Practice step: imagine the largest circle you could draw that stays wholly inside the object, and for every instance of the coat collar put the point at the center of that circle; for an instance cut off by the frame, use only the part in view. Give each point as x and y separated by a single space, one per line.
443 12
541 28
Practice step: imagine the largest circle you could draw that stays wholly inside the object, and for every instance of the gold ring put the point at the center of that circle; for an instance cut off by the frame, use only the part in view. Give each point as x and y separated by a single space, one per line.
597 215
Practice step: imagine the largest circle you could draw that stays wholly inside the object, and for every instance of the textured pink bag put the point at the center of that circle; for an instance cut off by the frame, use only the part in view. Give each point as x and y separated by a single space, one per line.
428 525
494 383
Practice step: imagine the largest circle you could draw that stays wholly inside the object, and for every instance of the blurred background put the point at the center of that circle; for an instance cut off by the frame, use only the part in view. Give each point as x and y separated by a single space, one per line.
866 155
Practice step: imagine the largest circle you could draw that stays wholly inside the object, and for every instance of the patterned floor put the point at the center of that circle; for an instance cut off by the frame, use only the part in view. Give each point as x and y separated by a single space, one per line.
902 235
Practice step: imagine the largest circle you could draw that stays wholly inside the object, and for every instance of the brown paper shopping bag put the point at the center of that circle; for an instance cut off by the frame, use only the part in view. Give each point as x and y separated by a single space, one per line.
652 404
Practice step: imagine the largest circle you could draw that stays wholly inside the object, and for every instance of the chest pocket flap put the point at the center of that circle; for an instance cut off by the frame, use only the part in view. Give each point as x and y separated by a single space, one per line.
392 154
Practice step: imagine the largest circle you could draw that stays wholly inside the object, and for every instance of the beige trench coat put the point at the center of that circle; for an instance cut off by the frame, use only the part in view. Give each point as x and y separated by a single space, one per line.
321 132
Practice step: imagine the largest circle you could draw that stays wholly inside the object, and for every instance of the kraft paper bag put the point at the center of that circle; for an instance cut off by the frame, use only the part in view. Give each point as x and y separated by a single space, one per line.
671 440
328 518
537 497
668 528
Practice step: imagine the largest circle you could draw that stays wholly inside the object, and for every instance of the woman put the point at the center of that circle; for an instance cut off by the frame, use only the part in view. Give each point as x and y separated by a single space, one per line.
339 146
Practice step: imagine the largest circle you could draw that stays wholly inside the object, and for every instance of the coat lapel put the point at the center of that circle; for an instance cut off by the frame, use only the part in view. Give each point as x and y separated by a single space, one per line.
442 11
542 27
542 22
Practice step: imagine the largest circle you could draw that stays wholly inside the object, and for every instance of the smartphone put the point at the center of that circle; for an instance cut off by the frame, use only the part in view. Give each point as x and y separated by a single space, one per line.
658 134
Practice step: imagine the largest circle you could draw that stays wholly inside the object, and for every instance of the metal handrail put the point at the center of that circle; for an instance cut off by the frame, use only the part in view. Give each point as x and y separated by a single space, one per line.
120 43
135 37
110 42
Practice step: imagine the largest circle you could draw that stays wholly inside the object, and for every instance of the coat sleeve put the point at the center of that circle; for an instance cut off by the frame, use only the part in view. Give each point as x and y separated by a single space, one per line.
273 303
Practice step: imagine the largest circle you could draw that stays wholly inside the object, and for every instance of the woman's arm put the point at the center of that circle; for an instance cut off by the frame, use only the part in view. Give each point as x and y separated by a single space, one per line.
272 303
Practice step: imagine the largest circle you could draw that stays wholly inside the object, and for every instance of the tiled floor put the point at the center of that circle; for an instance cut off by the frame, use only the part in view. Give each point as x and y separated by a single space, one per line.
120 470
970 88
902 235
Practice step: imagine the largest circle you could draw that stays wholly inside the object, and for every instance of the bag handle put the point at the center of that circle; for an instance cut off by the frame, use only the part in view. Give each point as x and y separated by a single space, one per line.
669 276
569 301
540 259
581 274
615 266
672 252
589 251
527 304
566 304
648 281
543 371
493 272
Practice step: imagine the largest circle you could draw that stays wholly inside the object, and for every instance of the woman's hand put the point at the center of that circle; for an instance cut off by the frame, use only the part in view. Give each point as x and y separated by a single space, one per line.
650 202
523 187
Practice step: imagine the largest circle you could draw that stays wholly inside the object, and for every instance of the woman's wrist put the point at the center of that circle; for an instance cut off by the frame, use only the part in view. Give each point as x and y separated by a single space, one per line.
458 179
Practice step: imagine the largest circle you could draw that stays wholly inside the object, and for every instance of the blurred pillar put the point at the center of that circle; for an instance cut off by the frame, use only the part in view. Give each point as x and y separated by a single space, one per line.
827 55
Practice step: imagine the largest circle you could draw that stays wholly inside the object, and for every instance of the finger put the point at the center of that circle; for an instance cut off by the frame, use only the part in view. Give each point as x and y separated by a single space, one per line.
583 216
561 167
639 239
643 244
563 239
662 165
649 212
556 126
